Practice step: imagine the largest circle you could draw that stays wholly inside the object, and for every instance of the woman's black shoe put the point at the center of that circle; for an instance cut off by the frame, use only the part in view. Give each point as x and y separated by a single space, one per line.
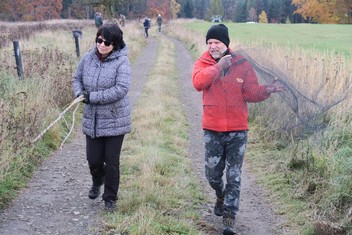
94 192
110 205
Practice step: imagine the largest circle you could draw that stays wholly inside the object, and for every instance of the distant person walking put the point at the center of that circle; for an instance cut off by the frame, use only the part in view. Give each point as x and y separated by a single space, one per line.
159 21
103 77
228 82
122 20
98 19
146 24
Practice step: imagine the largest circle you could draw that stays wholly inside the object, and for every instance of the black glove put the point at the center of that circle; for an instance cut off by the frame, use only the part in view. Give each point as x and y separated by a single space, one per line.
86 97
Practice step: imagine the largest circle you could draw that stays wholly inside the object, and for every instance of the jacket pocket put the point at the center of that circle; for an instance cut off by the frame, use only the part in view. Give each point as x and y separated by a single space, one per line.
211 115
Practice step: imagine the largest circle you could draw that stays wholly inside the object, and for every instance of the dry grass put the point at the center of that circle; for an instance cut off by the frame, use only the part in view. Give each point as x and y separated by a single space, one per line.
21 30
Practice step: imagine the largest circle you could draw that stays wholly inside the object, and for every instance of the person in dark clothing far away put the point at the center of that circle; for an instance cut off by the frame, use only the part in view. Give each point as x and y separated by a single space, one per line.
103 78
228 82
146 25
122 20
159 20
98 19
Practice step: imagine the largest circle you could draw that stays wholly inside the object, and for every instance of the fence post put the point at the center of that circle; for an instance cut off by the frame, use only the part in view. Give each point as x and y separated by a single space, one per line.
76 35
18 58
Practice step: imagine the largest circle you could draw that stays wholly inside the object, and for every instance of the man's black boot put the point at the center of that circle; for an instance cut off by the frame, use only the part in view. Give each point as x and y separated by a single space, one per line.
219 207
229 224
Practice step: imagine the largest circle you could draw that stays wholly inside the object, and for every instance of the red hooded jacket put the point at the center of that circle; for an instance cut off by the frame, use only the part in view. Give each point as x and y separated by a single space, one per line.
225 94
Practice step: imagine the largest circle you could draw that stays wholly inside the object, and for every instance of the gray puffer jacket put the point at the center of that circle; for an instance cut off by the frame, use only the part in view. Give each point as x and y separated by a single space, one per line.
108 112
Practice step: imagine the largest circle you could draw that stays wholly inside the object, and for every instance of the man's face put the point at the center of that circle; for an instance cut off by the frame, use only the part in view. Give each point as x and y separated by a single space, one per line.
216 48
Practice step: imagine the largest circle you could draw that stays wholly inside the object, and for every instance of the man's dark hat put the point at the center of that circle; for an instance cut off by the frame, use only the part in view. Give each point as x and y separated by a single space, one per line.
219 32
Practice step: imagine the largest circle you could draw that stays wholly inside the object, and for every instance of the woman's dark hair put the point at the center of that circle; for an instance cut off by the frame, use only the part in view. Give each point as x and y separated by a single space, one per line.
112 33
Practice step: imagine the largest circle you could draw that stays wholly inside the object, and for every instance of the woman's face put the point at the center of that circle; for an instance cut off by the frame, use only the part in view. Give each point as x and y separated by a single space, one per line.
104 47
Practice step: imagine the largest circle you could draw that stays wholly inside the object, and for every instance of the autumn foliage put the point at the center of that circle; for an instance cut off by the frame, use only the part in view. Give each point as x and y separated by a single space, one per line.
325 11
263 18
319 11
166 8
31 10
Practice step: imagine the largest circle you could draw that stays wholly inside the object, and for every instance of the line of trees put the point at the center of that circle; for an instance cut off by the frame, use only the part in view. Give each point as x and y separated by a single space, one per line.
275 11
27 10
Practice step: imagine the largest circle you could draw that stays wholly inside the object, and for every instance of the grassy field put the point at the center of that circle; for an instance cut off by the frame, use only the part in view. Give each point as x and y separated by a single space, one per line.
323 38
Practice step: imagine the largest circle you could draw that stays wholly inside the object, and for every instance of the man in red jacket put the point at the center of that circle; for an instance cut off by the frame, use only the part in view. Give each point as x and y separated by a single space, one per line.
228 82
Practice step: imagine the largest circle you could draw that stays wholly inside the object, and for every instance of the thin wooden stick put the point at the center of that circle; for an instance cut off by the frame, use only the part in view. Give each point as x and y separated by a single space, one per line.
77 100
72 126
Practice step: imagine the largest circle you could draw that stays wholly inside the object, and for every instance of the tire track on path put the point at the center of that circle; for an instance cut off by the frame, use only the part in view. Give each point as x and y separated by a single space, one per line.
55 199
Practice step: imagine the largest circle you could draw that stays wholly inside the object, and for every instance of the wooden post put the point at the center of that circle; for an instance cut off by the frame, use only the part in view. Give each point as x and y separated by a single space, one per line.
77 34
18 58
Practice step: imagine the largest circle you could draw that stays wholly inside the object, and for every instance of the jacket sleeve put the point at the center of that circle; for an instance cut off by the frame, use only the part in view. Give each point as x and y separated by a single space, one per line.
252 91
204 74
78 78
119 90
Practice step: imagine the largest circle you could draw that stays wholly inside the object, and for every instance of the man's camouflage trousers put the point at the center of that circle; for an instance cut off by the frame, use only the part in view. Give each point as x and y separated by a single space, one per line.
225 151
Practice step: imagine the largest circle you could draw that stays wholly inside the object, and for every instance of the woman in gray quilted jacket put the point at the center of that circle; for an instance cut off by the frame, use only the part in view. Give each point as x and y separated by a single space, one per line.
103 77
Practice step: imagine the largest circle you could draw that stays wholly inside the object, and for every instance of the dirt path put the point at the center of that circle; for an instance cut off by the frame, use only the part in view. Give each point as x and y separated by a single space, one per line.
55 200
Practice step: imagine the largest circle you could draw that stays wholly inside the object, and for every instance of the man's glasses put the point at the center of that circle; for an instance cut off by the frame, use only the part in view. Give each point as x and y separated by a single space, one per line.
100 41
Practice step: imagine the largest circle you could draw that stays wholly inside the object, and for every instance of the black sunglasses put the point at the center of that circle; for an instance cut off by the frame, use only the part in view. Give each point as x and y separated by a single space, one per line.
100 41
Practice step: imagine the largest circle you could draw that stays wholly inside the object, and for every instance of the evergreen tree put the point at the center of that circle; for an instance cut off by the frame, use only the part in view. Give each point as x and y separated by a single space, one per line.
274 11
288 11
216 8
66 12
241 14
229 9
201 7
260 5
188 9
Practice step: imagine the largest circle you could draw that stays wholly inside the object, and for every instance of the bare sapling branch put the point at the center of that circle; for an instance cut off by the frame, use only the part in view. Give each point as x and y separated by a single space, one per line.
77 100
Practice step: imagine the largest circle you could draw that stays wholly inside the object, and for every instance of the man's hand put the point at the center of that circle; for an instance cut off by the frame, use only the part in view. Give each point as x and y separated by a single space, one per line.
225 62
273 87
